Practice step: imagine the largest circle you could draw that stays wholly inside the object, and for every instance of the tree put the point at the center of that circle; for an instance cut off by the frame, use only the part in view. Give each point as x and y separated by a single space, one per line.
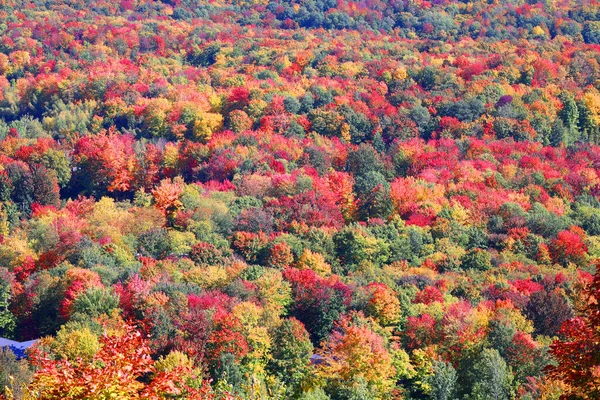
477 259
45 185
493 378
354 354
383 305
15 375
77 281
590 110
314 261
428 78
422 118
229 374
204 57
500 336
206 124
117 370
154 243
577 352
22 183
75 344
7 319
569 247
363 160
273 291
206 254
548 311
105 162
443 381
95 302
280 256
166 196
291 354
569 113
327 122
373 193
239 121
359 125
591 32
559 134
354 245
318 302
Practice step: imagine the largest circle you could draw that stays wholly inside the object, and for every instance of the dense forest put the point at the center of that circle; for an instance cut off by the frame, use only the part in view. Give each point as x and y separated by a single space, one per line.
300 199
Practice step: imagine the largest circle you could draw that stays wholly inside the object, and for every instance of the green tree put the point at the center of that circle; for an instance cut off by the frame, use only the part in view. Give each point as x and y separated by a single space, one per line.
154 243
292 105
428 78
501 335
443 381
569 113
477 259
360 126
314 394
95 302
586 122
57 161
559 134
591 32
22 181
291 353
545 223
228 374
7 319
374 194
326 122
363 160
421 116
204 57
493 378
354 245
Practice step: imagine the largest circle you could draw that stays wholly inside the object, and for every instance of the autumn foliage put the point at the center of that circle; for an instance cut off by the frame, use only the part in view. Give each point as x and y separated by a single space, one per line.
300 199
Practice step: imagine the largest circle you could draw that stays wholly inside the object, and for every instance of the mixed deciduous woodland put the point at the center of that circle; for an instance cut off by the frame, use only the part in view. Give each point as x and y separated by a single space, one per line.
316 199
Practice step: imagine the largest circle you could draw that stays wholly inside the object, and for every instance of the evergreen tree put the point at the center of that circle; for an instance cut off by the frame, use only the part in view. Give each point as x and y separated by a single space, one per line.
493 378
7 319
570 115
291 353
559 133
443 381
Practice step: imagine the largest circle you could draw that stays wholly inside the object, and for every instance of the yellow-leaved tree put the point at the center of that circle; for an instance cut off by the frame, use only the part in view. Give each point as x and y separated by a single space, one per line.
355 359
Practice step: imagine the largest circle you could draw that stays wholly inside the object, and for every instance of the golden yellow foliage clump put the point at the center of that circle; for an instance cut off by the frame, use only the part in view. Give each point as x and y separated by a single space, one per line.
257 335
106 219
170 155
3 63
315 262
209 277
172 361
400 73
20 58
357 352
345 132
538 31
384 305
592 101
206 124
73 344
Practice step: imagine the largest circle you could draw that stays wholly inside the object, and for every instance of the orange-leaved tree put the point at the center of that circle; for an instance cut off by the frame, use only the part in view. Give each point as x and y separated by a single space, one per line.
122 368
355 354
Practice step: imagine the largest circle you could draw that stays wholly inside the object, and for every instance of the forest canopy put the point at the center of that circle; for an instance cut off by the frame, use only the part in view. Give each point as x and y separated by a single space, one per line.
300 199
